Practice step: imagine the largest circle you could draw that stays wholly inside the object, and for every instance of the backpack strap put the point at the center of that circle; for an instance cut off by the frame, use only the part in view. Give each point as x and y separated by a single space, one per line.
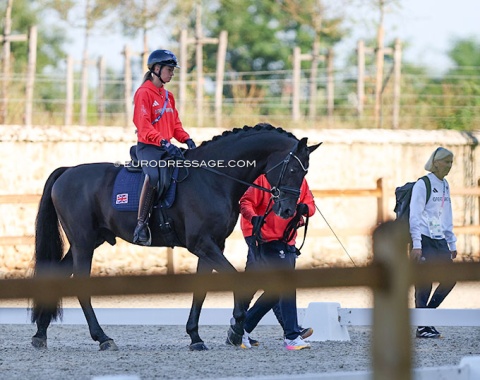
428 185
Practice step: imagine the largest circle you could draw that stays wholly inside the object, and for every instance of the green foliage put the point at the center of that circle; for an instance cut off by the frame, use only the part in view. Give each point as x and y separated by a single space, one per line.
49 41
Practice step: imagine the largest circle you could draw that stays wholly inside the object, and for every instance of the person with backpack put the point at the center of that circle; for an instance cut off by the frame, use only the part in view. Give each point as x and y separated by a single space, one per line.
431 230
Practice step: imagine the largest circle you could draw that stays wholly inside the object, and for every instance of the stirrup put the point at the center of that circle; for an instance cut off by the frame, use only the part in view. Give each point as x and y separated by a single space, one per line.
142 240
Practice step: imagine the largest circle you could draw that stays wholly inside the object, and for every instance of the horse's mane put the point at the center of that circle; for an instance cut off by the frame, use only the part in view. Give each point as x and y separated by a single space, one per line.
246 128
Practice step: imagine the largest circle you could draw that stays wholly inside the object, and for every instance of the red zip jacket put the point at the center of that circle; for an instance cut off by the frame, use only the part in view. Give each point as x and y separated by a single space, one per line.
254 203
148 101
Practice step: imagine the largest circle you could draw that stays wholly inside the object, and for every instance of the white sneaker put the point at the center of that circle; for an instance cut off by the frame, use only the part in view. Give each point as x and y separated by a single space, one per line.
245 340
296 344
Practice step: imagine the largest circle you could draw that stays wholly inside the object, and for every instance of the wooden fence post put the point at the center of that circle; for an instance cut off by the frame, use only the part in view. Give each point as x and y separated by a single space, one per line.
170 261
330 87
297 61
222 52
381 202
391 349
397 64
31 68
360 77
69 93
101 90
128 86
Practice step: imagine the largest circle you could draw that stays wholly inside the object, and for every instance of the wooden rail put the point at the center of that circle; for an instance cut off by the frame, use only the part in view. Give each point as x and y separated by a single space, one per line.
380 192
390 276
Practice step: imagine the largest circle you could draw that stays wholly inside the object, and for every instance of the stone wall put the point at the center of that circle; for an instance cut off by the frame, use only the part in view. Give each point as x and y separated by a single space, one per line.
348 159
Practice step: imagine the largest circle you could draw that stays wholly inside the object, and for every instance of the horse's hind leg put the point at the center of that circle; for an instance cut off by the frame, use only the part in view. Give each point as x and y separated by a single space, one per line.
45 314
82 267
197 343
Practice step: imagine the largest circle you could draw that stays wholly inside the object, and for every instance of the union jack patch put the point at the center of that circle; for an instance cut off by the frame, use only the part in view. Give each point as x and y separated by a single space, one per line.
121 199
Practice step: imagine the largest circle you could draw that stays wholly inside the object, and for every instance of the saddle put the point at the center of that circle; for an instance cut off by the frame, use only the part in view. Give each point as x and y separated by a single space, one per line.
126 194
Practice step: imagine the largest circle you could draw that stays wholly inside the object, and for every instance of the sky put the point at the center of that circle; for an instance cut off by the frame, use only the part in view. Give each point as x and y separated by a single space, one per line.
426 27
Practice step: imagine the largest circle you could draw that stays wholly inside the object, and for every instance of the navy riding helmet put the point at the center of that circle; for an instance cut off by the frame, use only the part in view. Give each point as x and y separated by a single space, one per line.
162 57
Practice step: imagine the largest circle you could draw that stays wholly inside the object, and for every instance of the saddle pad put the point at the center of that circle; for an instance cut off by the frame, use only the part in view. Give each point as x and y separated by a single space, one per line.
128 186
126 190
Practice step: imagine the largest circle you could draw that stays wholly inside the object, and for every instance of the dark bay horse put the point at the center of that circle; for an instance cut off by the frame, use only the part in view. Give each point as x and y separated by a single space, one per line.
204 214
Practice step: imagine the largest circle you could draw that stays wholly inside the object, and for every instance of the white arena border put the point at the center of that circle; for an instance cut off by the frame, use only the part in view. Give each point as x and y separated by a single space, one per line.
328 320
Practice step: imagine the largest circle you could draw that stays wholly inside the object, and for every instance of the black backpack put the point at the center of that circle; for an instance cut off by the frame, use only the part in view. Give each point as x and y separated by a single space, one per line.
403 195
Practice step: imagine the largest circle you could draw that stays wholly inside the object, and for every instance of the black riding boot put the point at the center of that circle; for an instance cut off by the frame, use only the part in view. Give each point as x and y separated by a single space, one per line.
142 234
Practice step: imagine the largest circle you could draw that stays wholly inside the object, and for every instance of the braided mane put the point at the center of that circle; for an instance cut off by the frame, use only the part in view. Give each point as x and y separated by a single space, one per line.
246 128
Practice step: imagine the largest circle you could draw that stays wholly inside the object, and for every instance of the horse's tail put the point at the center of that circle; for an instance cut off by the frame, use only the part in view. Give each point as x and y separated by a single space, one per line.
48 244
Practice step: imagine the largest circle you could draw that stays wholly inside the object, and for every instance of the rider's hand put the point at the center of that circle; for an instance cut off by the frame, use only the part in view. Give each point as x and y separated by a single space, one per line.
190 144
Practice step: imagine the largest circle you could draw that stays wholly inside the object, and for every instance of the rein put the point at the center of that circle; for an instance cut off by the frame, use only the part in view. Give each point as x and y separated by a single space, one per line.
275 190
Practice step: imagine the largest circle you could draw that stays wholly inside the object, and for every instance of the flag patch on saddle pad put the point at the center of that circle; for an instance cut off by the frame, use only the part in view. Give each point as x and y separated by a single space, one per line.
121 199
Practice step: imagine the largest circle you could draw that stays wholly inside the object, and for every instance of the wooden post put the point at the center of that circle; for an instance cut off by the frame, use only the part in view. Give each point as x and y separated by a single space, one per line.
84 90
222 53
128 86
296 84
101 90
379 76
31 68
170 261
199 41
391 348
182 89
6 60
381 202
397 64
312 106
330 87
69 93
6 38
199 64
360 77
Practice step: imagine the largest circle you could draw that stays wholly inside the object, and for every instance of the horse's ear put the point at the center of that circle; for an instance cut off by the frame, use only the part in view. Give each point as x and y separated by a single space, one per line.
313 147
302 143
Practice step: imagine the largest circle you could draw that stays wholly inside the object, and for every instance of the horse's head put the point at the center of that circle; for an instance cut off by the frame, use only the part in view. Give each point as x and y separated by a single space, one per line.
286 178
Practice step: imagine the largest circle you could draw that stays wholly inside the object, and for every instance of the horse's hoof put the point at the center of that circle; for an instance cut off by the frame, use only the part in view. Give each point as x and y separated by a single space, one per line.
108 345
199 346
39 342
233 338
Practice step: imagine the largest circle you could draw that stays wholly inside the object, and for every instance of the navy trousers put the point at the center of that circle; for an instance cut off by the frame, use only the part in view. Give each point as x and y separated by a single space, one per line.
275 255
433 250
149 156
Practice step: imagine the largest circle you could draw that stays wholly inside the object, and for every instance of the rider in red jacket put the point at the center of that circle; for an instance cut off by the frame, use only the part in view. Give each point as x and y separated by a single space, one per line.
270 248
157 121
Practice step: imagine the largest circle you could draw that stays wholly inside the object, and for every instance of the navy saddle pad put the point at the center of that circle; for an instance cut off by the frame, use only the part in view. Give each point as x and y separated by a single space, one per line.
127 188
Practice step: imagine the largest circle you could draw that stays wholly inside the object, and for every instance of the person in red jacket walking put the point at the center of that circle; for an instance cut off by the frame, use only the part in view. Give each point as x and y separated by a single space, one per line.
272 245
157 122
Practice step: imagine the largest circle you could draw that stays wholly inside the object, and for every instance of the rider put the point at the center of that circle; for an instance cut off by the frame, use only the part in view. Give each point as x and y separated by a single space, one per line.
157 121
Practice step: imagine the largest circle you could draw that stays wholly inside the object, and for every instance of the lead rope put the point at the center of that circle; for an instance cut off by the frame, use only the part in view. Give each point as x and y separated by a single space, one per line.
331 229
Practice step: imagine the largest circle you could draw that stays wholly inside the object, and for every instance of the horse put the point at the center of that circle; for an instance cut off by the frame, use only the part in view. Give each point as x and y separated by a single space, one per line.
78 200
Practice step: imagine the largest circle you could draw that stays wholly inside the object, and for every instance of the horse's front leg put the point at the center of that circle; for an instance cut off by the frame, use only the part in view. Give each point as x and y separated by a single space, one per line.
197 343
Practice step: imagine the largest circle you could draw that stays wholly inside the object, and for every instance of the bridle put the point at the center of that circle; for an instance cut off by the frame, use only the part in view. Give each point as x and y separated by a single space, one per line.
277 189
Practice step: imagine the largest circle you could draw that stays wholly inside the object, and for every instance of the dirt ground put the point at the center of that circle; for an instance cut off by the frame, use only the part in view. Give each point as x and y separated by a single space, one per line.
149 352
161 352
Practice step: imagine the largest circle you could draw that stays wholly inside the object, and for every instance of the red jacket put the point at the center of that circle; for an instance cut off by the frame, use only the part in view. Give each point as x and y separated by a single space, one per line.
254 202
148 104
